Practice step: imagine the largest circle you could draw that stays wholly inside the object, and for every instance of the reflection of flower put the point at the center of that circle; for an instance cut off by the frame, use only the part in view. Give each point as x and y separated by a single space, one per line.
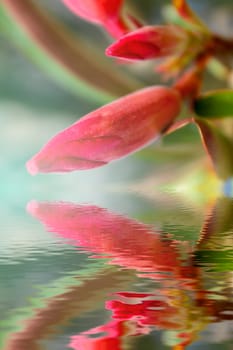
130 243
173 311
145 309
113 339
181 306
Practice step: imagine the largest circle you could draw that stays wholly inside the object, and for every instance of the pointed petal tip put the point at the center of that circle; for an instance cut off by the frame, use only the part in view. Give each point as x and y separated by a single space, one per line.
32 167
109 51
134 50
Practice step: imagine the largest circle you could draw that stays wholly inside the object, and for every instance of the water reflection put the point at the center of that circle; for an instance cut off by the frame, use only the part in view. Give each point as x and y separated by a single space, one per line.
184 295
129 243
79 295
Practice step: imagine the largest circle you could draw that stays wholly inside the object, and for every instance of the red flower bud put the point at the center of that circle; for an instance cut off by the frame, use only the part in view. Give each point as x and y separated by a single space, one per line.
110 132
148 42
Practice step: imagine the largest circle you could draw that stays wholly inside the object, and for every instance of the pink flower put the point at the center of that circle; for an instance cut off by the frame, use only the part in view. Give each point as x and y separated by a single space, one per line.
149 42
110 132
107 13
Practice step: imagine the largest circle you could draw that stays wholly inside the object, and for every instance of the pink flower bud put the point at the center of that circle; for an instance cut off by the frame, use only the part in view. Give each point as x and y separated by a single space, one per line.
107 13
110 132
148 42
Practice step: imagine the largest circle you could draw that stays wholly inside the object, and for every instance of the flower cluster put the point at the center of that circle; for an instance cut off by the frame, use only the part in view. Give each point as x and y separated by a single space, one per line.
131 122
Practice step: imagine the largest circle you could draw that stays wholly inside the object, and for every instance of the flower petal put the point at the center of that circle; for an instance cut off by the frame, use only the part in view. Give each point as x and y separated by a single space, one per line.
107 13
148 42
110 132
97 11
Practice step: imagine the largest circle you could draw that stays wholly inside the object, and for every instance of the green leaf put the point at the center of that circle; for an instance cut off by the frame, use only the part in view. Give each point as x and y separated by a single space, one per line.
218 146
216 104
